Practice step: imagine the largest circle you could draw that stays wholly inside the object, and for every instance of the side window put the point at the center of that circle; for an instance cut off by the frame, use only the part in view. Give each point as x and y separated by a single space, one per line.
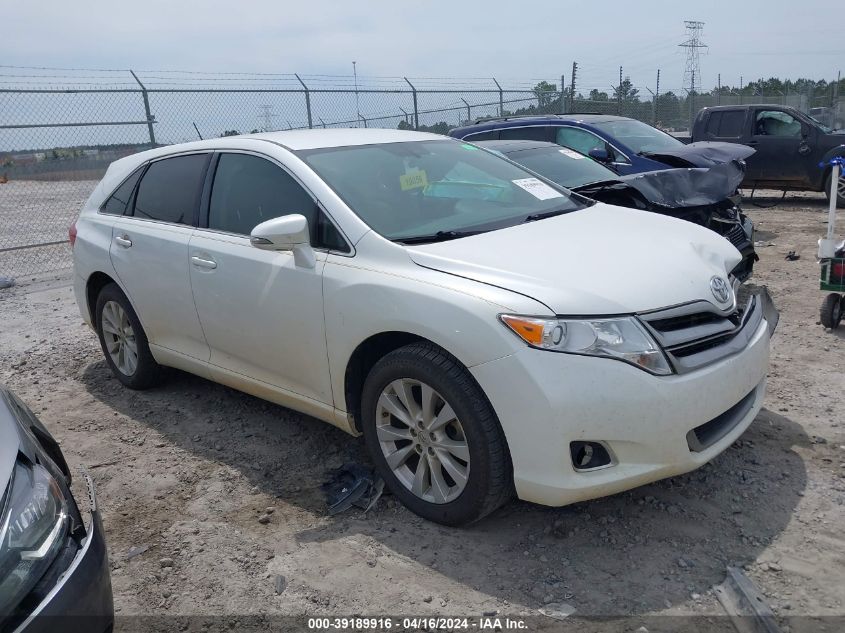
170 189
713 122
536 133
578 139
249 190
776 123
116 203
490 135
732 124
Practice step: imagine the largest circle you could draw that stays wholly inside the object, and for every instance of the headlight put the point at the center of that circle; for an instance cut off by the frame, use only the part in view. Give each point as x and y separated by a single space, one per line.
33 525
623 338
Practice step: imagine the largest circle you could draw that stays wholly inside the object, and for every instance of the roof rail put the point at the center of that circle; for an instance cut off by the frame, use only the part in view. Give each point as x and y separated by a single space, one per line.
514 116
511 117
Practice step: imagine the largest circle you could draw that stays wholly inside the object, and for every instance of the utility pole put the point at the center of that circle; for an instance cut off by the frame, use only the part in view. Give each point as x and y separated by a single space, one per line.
357 104
572 86
694 45
656 96
562 90
267 117
719 89
619 94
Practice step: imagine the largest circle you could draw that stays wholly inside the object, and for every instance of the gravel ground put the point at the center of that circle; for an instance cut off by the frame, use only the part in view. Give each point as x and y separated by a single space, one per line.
224 489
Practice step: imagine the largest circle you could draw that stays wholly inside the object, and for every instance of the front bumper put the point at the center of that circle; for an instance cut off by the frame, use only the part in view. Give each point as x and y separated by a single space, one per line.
545 400
81 601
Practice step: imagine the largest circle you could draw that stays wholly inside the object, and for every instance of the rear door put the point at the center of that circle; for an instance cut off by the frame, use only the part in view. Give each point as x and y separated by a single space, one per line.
149 252
262 314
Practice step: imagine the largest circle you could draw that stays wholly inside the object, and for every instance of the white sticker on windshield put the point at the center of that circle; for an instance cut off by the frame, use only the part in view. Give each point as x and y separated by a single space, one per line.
571 153
537 188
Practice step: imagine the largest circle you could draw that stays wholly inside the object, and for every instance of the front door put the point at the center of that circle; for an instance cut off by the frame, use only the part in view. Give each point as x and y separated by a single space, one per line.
262 314
781 149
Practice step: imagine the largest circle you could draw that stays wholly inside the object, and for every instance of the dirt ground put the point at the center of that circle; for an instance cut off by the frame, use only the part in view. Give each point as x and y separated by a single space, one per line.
188 468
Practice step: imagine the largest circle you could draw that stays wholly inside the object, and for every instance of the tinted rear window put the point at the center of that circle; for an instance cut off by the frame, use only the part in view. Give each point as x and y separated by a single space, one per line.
726 124
536 133
116 204
169 191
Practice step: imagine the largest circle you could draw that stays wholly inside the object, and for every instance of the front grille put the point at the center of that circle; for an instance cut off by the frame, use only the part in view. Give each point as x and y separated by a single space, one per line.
704 436
697 334
736 236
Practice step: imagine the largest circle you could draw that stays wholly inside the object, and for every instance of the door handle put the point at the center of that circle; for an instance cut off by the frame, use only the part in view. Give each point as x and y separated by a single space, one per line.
201 262
123 240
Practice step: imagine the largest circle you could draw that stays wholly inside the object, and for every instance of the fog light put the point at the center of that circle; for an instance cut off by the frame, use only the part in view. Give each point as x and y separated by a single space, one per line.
589 455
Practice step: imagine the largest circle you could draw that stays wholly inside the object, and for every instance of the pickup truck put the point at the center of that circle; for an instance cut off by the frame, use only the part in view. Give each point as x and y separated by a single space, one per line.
790 145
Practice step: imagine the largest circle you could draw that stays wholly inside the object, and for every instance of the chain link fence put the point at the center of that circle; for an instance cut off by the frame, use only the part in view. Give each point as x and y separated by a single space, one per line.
59 133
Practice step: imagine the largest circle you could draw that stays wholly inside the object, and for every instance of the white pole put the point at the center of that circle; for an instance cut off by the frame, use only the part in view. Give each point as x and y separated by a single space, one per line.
831 215
827 246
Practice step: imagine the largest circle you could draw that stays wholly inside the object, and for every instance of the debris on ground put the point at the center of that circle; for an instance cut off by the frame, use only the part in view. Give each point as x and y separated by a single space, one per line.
557 610
352 485
744 603
280 583
136 550
792 256
6 282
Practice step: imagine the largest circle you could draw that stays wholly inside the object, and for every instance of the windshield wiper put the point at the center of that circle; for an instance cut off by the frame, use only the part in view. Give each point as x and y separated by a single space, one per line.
440 236
542 216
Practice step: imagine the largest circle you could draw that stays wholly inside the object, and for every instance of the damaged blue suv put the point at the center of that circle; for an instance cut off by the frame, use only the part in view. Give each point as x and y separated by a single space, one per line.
626 146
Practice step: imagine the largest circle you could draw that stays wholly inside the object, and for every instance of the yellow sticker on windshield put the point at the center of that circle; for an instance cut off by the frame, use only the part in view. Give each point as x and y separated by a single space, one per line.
414 179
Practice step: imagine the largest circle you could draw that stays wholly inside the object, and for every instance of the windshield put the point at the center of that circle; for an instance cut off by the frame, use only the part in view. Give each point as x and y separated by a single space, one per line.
639 136
564 166
824 128
431 190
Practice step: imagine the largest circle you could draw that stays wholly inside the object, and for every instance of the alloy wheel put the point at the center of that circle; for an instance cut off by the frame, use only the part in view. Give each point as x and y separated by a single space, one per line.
119 338
422 440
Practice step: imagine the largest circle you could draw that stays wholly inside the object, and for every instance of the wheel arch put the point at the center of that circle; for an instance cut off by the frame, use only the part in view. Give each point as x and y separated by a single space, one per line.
96 282
839 150
362 360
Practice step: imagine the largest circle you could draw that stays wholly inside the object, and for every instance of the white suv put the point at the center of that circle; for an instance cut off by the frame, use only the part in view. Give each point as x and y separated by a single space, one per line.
486 330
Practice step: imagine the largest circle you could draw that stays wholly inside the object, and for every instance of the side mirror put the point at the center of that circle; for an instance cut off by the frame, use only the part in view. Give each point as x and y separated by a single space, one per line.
600 154
285 233
805 130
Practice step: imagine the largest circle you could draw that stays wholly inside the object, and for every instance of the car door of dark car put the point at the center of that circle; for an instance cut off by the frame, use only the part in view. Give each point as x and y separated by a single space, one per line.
781 148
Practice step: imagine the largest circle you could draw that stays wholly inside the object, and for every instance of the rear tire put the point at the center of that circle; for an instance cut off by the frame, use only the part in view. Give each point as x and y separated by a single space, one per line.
840 198
422 410
124 341
831 312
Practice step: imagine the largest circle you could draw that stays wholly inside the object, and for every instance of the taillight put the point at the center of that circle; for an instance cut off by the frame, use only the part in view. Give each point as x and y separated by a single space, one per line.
839 270
71 234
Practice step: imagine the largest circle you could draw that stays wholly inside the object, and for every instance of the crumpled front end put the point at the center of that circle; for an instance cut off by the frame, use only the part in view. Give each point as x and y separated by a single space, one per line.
704 196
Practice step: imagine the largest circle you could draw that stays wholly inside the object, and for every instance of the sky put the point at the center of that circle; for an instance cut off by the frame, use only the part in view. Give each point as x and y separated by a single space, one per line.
512 41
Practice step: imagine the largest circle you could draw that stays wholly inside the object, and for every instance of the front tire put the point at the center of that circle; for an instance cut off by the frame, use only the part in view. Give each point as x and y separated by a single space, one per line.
434 437
124 341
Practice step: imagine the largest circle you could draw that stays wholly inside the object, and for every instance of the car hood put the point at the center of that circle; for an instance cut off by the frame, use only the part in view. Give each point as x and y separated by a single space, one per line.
600 260
701 154
690 187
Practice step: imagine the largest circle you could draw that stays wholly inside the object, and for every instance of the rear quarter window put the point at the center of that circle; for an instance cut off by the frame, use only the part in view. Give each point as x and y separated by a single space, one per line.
116 203
170 189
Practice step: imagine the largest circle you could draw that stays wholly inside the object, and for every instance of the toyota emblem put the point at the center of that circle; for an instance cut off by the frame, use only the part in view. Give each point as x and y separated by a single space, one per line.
720 289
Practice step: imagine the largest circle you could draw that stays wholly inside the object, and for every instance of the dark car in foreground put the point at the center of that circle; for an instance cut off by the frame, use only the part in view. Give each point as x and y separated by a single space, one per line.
704 196
793 149
626 146
54 571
